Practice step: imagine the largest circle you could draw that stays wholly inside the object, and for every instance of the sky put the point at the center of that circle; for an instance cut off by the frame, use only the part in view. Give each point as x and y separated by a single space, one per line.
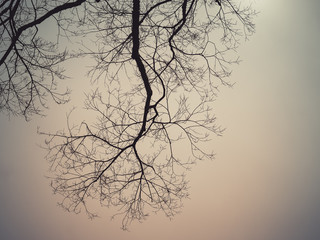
264 182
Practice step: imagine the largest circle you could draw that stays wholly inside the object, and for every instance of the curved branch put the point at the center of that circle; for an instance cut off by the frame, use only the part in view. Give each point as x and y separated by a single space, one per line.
58 9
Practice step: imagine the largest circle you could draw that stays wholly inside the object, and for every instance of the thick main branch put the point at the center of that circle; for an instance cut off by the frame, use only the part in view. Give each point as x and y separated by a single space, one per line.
136 56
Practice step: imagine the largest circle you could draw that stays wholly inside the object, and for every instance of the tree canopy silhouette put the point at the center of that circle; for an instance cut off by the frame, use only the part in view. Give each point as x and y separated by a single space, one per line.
162 62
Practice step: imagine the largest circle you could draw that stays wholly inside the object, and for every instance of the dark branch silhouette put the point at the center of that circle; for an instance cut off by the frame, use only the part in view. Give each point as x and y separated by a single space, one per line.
28 63
162 63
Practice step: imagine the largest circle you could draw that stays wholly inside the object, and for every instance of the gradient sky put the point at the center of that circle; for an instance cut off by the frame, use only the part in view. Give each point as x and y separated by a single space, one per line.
264 183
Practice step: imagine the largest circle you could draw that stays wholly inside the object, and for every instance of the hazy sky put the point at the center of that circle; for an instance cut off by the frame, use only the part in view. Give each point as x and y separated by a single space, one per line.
264 183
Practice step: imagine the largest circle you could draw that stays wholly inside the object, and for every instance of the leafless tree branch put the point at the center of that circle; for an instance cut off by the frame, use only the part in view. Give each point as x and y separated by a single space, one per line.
162 62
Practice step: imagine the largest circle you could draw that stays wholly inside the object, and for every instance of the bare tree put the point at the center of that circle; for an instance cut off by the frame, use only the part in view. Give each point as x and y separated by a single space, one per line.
162 62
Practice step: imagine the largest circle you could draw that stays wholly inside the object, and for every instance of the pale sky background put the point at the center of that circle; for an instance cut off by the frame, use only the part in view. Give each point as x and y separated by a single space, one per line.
265 181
